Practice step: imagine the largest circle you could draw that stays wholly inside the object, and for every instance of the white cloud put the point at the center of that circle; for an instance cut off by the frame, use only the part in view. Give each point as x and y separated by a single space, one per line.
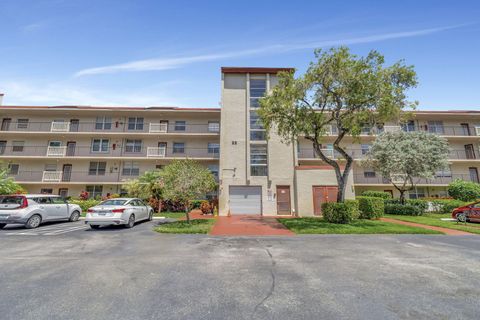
172 63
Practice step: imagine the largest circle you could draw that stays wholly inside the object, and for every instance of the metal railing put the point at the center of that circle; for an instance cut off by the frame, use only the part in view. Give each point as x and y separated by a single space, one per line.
70 176
445 179
112 127
52 176
123 152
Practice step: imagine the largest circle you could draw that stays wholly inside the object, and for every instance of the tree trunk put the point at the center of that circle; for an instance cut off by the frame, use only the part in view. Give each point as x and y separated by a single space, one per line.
187 213
402 196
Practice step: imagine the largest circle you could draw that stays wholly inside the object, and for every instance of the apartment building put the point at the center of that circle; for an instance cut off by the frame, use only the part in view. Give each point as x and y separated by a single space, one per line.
68 149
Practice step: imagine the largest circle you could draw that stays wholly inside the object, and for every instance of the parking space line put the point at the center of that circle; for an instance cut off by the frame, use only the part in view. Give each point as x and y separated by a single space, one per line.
53 233
47 230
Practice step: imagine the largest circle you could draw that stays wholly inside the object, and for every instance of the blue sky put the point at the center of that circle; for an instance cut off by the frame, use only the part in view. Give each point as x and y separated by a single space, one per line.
169 53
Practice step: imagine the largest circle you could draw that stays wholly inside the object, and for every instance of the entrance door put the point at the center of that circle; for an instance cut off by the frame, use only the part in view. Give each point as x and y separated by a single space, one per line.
474 174
323 194
74 124
245 200
67 172
3 146
164 125
283 200
6 124
71 145
469 151
465 129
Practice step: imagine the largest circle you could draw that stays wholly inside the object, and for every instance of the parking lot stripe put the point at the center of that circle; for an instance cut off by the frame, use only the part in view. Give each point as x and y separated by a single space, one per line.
47 230
64 231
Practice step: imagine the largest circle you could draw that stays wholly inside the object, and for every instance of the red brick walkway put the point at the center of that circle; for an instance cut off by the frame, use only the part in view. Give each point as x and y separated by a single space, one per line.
450 232
248 225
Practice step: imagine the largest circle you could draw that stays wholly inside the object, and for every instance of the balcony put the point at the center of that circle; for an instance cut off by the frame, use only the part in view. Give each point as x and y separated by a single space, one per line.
56 151
52 176
112 127
439 180
118 152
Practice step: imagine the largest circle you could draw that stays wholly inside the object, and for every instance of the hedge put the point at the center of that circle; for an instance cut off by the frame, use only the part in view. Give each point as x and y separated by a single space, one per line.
446 205
377 194
464 190
405 210
421 204
340 212
370 207
85 204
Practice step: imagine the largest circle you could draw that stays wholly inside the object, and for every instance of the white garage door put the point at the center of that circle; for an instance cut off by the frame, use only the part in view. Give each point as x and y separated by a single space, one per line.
245 200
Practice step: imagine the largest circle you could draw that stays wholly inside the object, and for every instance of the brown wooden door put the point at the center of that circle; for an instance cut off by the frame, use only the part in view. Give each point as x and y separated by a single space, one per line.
283 200
323 194
67 172
71 145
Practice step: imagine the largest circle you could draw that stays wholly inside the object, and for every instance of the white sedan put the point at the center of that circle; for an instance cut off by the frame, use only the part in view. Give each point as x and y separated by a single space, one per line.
125 211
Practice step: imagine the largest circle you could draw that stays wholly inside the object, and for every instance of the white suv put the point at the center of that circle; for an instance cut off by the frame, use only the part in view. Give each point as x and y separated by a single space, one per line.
33 209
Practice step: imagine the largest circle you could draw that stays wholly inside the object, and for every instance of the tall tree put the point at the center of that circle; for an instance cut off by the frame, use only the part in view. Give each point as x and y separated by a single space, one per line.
186 180
404 157
338 90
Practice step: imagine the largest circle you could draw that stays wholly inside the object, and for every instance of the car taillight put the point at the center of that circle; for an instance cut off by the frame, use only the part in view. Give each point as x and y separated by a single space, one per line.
24 203
118 210
90 210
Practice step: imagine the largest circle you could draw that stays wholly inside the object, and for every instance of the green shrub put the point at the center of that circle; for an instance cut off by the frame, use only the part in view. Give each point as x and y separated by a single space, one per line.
464 190
340 212
195 204
84 204
370 207
446 205
377 194
421 204
404 210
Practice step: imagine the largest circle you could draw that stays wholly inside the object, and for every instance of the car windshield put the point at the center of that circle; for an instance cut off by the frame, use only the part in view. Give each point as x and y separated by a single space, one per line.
113 202
11 199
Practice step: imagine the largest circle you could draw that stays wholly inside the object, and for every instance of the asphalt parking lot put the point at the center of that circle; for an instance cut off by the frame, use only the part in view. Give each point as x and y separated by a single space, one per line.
67 271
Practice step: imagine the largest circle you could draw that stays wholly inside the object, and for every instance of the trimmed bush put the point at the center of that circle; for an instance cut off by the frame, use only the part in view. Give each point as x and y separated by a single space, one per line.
464 190
371 207
195 204
377 194
84 204
421 204
446 205
404 210
340 212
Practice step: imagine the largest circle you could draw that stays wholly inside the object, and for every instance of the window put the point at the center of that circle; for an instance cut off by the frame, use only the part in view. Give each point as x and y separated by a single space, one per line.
213 126
474 174
417 193
445 173
365 148
258 87
134 146
257 131
258 160
17 146
159 166
180 125
13 169
135 123
435 127
213 148
44 191
97 168
366 130
100 145
409 126
178 147
57 200
131 168
214 170
63 192
22 124
94 191
3 146
103 123
51 167
369 173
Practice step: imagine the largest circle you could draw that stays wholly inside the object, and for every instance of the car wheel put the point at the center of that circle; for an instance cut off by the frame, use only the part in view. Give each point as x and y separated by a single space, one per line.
33 222
461 217
150 216
94 226
2 225
131 222
74 216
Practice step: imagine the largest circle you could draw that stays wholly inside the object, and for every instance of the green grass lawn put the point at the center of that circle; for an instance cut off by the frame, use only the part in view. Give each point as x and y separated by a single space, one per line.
195 226
433 219
167 214
320 226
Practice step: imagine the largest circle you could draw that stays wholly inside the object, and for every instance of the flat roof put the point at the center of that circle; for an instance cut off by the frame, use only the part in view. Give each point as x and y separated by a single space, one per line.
117 108
254 70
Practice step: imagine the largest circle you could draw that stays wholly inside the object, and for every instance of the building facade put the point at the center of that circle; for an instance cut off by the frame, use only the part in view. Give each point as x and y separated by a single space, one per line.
69 149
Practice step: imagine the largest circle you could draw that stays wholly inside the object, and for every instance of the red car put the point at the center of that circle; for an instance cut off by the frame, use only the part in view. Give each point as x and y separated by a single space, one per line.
470 212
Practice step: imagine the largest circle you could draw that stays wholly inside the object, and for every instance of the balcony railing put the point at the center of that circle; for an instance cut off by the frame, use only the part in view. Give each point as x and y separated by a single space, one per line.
52 176
112 127
86 151
56 151
60 127
445 179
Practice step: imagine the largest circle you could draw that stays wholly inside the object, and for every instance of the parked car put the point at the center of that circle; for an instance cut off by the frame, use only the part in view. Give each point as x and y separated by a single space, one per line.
119 211
470 212
33 209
